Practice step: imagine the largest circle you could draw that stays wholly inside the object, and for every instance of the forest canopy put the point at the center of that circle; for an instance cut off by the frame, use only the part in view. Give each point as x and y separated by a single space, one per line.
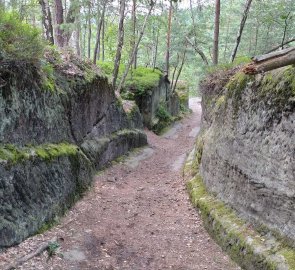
182 38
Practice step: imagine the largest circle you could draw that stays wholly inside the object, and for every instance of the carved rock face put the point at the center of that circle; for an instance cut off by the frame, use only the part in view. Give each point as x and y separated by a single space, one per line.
248 155
37 185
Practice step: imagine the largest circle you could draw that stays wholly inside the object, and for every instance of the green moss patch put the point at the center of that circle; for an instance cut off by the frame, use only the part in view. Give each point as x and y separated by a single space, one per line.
164 119
141 80
244 244
138 81
12 154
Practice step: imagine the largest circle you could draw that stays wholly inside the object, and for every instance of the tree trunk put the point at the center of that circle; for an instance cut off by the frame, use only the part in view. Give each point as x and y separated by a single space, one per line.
98 39
59 17
78 38
120 42
72 14
280 46
134 49
194 44
156 44
179 72
216 32
242 24
134 30
89 31
267 62
168 39
198 51
84 40
47 21
2 4
102 41
285 29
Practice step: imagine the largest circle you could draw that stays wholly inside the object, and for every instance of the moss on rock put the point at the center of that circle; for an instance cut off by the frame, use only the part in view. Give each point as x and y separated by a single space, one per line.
11 154
244 244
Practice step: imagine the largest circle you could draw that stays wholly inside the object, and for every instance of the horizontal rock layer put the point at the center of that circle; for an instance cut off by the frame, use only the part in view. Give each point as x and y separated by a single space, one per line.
55 131
248 146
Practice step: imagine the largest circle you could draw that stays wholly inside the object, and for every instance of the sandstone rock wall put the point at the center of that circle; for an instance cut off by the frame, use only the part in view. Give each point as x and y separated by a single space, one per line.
247 146
150 101
54 132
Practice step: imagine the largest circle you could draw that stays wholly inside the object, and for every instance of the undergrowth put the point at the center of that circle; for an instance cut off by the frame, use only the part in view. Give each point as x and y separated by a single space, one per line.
19 40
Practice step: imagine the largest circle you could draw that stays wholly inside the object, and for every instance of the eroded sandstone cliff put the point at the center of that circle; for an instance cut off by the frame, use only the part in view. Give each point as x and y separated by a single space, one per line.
60 120
246 148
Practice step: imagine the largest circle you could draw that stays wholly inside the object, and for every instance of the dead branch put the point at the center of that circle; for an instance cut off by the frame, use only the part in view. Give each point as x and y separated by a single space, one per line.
19 261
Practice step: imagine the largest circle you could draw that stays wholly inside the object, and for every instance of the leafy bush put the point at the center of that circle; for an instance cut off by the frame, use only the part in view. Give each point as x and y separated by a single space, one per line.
227 66
163 114
142 79
138 81
19 40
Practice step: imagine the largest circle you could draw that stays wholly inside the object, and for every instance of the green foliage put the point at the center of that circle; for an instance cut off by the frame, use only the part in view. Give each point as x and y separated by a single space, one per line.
52 248
138 80
164 119
19 40
163 114
47 72
226 66
142 79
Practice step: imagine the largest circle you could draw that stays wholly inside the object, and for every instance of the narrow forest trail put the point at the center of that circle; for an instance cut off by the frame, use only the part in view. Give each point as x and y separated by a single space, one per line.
137 216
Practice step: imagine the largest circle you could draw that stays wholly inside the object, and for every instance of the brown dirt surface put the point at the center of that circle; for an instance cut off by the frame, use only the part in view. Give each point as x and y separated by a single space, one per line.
136 216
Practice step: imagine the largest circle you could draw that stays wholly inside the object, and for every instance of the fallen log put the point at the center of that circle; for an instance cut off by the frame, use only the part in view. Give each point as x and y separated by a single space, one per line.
270 61
37 252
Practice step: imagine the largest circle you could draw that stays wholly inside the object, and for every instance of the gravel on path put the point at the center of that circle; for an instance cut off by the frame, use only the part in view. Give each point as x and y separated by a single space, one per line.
137 216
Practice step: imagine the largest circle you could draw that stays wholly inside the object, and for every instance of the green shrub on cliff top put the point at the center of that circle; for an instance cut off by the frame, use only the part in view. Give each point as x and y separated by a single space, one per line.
142 79
19 40
138 81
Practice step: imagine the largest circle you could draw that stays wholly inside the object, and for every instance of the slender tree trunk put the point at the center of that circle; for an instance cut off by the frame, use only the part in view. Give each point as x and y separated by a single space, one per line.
256 38
226 38
59 17
47 20
98 39
168 39
216 32
134 49
78 38
2 5
102 41
242 24
179 72
120 42
174 72
280 46
156 44
89 31
285 30
134 30
71 17
194 43
198 51
84 40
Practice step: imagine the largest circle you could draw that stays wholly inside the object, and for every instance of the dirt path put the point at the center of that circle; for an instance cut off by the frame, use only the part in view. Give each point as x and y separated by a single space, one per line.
137 216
